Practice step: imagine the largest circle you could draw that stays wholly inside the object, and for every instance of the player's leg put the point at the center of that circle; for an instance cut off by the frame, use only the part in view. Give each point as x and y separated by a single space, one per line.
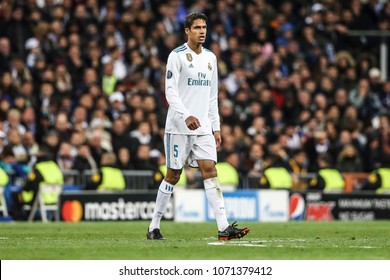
176 151
213 192
163 195
204 151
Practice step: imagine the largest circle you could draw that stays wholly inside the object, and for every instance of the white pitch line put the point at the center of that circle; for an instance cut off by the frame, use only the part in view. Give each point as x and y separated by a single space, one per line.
260 243
272 243
363 247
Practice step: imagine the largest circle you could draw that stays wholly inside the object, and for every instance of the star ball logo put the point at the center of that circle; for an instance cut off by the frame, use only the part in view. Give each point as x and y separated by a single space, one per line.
72 211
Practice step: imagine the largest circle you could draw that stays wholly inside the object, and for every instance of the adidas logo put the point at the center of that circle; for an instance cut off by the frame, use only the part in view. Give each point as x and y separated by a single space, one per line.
191 66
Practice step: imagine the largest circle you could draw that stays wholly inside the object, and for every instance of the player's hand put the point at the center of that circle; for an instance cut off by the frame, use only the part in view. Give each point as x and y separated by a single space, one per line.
218 139
192 123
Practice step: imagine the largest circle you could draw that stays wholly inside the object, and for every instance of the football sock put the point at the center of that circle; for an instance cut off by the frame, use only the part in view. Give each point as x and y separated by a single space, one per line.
215 199
163 195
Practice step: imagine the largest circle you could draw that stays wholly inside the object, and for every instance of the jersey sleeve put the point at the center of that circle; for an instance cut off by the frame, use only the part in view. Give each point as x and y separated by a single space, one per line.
171 85
213 111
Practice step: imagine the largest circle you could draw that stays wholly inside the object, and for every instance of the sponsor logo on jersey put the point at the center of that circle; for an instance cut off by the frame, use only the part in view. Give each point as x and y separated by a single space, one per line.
189 57
201 81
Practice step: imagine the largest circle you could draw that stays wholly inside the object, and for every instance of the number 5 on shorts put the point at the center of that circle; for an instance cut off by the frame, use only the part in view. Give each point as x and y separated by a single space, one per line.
175 151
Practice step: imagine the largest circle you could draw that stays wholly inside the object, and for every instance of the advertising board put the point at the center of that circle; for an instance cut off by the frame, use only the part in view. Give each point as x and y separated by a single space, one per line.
320 206
257 205
109 206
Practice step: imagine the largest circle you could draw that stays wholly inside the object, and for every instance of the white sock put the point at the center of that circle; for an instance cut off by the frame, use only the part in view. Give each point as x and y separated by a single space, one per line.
215 199
163 195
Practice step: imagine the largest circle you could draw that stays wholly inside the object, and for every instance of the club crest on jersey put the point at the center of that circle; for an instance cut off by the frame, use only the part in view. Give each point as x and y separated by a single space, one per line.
189 57
209 66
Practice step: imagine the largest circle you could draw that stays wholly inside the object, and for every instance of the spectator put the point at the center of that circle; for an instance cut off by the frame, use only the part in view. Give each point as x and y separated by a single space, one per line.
80 117
143 134
382 134
253 161
5 55
74 63
349 160
46 97
297 166
258 125
228 115
124 159
9 163
63 80
115 57
117 105
32 45
384 95
16 146
14 122
121 138
8 89
96 144
65 158
89 79
51 142
31 146
93 53
143 159
228 146
84 160
328 178
20 71
62 126
3 137
109 80
18 30
367 102
318 144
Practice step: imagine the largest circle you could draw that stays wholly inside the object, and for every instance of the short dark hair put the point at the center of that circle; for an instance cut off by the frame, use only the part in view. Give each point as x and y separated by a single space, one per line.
192 17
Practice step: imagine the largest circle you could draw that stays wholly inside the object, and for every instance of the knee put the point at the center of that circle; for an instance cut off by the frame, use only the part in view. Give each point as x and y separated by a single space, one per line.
173 177
209 173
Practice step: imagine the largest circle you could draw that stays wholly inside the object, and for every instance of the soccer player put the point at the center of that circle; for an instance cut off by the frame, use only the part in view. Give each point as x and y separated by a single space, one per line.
192 130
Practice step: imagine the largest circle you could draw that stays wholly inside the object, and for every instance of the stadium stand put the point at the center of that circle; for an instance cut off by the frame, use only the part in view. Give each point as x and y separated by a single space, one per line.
293 74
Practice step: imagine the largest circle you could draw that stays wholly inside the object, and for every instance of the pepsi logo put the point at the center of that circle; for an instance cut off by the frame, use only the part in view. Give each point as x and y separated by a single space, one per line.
297 207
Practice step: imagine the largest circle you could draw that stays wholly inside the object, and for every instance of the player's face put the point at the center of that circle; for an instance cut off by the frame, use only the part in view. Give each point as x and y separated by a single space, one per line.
197 33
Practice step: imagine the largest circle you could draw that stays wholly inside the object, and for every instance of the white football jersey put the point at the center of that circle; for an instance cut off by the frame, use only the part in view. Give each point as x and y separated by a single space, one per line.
191 89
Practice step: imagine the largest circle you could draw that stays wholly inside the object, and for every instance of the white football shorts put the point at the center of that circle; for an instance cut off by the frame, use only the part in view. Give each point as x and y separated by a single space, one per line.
181 149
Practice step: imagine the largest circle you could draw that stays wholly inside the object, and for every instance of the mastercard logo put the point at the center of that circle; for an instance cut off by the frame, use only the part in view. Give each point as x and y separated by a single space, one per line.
72 211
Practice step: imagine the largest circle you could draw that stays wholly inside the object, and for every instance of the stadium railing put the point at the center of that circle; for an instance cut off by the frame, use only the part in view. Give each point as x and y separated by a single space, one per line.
135 179
143 179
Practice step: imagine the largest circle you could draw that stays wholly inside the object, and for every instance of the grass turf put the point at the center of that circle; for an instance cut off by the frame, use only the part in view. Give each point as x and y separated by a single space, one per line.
195 241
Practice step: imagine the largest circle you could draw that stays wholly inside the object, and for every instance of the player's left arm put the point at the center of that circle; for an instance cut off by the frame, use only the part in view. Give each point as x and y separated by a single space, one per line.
213 108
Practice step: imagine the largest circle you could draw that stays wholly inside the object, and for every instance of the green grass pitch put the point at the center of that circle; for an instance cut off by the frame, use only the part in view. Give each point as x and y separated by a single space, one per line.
195 241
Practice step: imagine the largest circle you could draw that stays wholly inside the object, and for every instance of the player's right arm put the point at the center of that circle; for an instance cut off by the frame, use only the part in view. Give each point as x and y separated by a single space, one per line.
172 86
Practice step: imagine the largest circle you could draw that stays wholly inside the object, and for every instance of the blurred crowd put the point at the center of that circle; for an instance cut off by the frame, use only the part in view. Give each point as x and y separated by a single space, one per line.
83 78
